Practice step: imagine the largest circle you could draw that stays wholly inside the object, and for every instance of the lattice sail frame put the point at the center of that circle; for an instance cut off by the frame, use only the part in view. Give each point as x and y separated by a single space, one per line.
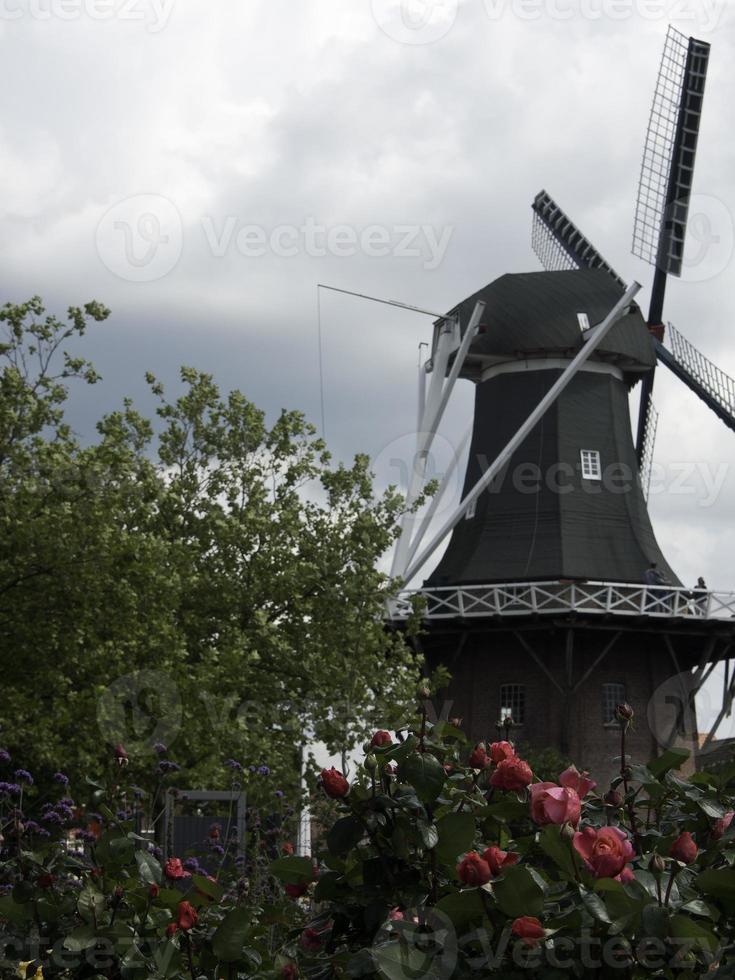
720 386
558 243
649 443
667 168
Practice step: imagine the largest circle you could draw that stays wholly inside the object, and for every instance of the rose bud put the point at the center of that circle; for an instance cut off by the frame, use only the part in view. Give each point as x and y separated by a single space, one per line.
656 865
289 971
311 940
395 915
512 774
46 881
554 804
171 929
117 894
381 739
153 890
613 798
720 827
580 782
624 714
605 851
684 848
496 859
423 691
187 916
472 870
500 751
370 763
296 891
288 847
528 929
121 756
456 722
478 757
334 783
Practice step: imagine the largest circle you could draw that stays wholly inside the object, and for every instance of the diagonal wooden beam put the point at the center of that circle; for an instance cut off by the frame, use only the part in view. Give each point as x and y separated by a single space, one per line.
598 660
532 653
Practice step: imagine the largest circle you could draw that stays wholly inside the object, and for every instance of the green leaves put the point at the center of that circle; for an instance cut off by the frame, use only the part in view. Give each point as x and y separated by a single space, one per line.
231 936
425 773
456 833
293 870
519 893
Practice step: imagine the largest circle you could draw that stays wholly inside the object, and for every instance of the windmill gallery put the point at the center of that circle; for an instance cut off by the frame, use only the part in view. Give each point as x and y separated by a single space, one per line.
552 601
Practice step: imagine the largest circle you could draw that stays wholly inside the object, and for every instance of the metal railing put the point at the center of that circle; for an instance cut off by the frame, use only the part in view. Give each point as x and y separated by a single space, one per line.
547 598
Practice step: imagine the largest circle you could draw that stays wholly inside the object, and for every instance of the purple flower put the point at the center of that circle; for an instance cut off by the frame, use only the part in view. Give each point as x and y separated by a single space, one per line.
23 776
165 766
157 853
4 755
67 801
5 889
86 836
123 815
59 777
279 794
53 817
191 864
65 811
263 771
97 817
233 764
12 789
32 827
160 749
218 849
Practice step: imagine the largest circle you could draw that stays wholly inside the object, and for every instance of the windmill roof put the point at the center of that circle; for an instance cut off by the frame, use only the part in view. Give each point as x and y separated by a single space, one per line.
536 314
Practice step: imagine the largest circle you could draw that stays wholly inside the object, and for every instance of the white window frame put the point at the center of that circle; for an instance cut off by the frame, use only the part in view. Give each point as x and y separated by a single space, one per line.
591 464
515 697
613 693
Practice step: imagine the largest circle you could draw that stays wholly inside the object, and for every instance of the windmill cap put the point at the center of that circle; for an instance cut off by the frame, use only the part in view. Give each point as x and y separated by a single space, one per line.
537 314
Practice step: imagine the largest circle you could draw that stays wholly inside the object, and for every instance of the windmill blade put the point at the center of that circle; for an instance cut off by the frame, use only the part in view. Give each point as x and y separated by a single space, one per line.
667 172
705 379
559 244
649 442
667 169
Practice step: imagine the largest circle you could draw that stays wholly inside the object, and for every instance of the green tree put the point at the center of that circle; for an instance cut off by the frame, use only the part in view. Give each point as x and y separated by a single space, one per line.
225 569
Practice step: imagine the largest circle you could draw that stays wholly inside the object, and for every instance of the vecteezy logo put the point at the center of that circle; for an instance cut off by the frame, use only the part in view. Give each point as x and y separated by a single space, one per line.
139 710
710 239
399 464
415 21
140 238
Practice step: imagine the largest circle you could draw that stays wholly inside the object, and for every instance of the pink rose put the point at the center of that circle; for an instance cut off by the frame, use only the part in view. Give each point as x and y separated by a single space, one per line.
554 804
381 739
580 782
528 929
334 783
606 851
500 751
684 848
478 757
174 869
497 859
512 774
720 826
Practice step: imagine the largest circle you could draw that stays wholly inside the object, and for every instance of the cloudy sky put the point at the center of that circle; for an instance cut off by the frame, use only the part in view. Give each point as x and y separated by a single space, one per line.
201 168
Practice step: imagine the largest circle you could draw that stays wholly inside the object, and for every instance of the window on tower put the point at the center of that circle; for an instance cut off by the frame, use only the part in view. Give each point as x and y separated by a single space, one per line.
612 696
591 466
512 702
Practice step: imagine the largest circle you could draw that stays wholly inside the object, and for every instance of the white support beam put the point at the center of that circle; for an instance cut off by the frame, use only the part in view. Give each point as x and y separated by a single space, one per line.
595 338
422 391
436 403
437 498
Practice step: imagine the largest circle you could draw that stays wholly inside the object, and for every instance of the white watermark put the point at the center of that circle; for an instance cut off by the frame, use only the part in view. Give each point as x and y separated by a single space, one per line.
427 21
154 14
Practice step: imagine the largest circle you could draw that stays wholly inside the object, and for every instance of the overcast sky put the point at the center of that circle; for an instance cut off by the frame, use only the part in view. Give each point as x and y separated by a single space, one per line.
200 168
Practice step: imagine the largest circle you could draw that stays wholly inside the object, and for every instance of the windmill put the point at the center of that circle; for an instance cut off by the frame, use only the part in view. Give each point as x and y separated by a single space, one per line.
540 604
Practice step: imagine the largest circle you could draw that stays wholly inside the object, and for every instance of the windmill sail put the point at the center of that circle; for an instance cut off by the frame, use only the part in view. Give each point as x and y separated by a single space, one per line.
667 172
648 447
559 244
704 378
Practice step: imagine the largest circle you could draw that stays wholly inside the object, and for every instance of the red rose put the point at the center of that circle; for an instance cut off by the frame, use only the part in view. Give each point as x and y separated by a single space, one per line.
187 916
684 848
121 756
606 851
296 891
381 739
311 940
512 774
497 859
395 915
554 804
174 869
154 890
171 929
720 826
289 971
528 929
580 782
479 758
46 881
288 847
334 783
500 751
473 870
